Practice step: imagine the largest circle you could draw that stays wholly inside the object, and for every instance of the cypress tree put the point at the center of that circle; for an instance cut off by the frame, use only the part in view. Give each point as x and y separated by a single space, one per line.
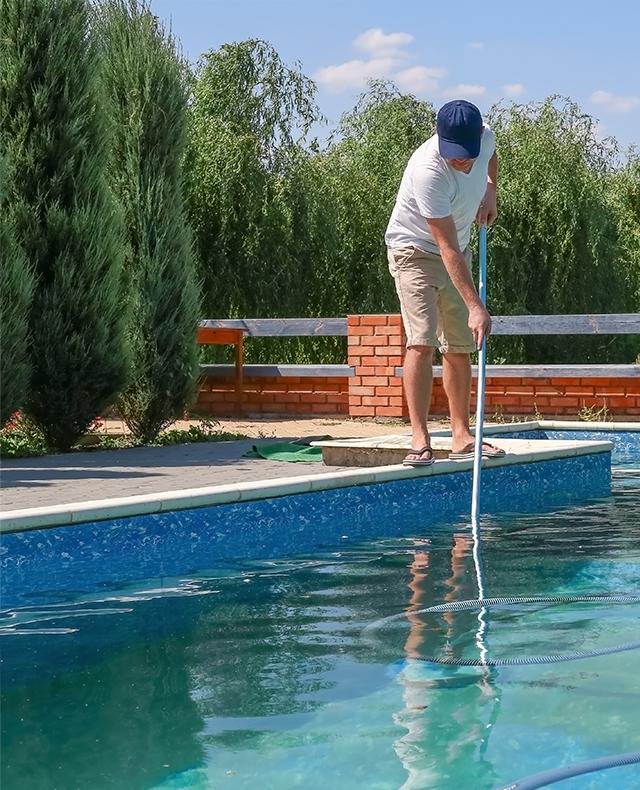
147 85
16 286
53 124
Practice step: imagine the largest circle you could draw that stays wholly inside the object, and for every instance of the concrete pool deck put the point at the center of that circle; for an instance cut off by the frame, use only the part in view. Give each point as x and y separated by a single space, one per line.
91 486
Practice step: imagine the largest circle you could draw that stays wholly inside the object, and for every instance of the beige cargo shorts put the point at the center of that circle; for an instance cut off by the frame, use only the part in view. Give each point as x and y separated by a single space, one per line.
433 312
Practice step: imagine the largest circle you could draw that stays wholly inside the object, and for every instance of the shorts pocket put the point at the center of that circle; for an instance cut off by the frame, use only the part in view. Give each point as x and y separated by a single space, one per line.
399 258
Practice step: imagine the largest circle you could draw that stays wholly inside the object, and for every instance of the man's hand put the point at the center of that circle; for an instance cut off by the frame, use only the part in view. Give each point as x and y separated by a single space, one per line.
479 324
488 210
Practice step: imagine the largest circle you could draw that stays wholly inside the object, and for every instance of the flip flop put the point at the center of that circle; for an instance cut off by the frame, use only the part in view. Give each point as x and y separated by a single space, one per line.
468 452
420 461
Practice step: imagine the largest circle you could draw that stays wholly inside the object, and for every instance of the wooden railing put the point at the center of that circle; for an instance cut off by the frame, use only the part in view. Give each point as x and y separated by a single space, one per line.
283 327
615 324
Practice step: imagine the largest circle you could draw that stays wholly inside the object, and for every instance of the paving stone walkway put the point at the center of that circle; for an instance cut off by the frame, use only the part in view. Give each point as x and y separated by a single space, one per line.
102 474
84 476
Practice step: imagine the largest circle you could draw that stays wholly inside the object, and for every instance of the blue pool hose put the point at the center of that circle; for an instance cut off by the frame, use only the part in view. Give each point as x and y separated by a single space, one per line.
546 778
487 603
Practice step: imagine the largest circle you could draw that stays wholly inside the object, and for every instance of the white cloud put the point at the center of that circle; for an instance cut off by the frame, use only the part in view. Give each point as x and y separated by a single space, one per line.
513 89
463 91
419 79
386 58
476 45
353 74
614 103
379 43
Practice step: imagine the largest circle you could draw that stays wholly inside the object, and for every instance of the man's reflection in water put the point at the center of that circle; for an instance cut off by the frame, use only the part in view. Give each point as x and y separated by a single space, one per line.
443 743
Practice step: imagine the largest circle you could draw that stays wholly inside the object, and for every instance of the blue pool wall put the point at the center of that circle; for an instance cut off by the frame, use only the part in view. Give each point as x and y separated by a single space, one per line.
40 566
626 444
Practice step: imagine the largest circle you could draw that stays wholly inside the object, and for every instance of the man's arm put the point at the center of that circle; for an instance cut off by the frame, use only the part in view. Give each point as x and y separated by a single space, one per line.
444 232
488 210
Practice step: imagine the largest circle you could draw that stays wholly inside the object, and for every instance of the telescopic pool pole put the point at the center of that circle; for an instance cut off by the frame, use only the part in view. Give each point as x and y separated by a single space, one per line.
477 458
482 365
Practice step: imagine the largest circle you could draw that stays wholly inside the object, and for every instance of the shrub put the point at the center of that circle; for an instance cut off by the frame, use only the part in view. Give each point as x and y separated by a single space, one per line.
16 286
146 83
250 114
20 437
53 126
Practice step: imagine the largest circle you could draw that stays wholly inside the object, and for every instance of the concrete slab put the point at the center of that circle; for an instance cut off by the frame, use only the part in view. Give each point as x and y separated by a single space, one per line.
384 450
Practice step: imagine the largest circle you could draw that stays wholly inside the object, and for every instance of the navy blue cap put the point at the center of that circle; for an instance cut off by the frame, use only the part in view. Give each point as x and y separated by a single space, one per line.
459 128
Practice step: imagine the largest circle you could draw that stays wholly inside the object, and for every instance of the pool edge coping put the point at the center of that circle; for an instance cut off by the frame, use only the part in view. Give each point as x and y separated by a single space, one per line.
73 513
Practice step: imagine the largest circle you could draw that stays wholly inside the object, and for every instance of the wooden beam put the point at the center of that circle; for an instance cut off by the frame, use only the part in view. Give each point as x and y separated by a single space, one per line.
615 324
620 324
552 371
283 327
279 370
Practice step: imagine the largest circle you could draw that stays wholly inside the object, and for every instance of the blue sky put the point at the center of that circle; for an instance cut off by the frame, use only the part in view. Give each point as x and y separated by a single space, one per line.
481 51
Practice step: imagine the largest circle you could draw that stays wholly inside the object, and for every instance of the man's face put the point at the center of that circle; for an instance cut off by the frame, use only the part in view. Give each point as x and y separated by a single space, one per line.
463 165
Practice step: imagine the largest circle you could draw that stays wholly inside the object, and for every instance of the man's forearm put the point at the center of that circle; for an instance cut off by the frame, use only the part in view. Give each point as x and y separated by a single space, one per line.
456 266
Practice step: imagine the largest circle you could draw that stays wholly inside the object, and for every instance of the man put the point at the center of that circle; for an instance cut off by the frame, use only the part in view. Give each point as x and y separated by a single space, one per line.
450 181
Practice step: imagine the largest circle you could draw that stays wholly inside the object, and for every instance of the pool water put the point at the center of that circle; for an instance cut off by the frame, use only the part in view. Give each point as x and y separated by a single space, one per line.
268 674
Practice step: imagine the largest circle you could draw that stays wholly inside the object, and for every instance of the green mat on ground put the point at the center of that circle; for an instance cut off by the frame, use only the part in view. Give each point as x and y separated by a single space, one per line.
287 451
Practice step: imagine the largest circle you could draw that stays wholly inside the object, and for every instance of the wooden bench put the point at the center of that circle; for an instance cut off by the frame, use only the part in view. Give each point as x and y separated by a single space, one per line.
233 331
224 336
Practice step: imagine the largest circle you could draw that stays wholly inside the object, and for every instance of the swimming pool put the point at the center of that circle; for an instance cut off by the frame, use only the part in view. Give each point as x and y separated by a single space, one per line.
261 672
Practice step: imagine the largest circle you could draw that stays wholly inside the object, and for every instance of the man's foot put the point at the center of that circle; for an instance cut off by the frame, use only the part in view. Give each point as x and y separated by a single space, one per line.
468 451
422 457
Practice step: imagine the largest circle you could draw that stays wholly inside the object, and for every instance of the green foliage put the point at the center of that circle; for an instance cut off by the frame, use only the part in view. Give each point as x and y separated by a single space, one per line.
558 246
248 87
206 431
16 287
623 191
20 437
286 229
53 129
146 83
249 113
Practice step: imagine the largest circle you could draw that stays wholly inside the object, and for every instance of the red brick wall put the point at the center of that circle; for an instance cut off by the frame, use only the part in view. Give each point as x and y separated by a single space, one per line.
563 396
375 348
275 395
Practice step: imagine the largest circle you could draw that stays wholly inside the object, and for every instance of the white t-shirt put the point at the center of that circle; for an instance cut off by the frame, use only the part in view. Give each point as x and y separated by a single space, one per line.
432 189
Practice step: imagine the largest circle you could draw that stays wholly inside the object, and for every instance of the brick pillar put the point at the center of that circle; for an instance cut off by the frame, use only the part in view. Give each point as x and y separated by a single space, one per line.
376 347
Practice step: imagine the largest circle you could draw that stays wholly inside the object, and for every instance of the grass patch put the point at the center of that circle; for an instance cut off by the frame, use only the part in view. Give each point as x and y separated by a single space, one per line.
21 438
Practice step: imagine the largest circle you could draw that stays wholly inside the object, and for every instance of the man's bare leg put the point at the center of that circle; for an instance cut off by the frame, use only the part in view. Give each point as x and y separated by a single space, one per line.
456 377
418 380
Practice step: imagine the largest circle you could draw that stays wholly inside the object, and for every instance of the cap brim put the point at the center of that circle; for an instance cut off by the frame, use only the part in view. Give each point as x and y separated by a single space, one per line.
451 150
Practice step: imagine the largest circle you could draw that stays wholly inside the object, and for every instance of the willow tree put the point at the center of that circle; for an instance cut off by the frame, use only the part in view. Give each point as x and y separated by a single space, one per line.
146 83
624 193
16 287
250 114
54 130
557 246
